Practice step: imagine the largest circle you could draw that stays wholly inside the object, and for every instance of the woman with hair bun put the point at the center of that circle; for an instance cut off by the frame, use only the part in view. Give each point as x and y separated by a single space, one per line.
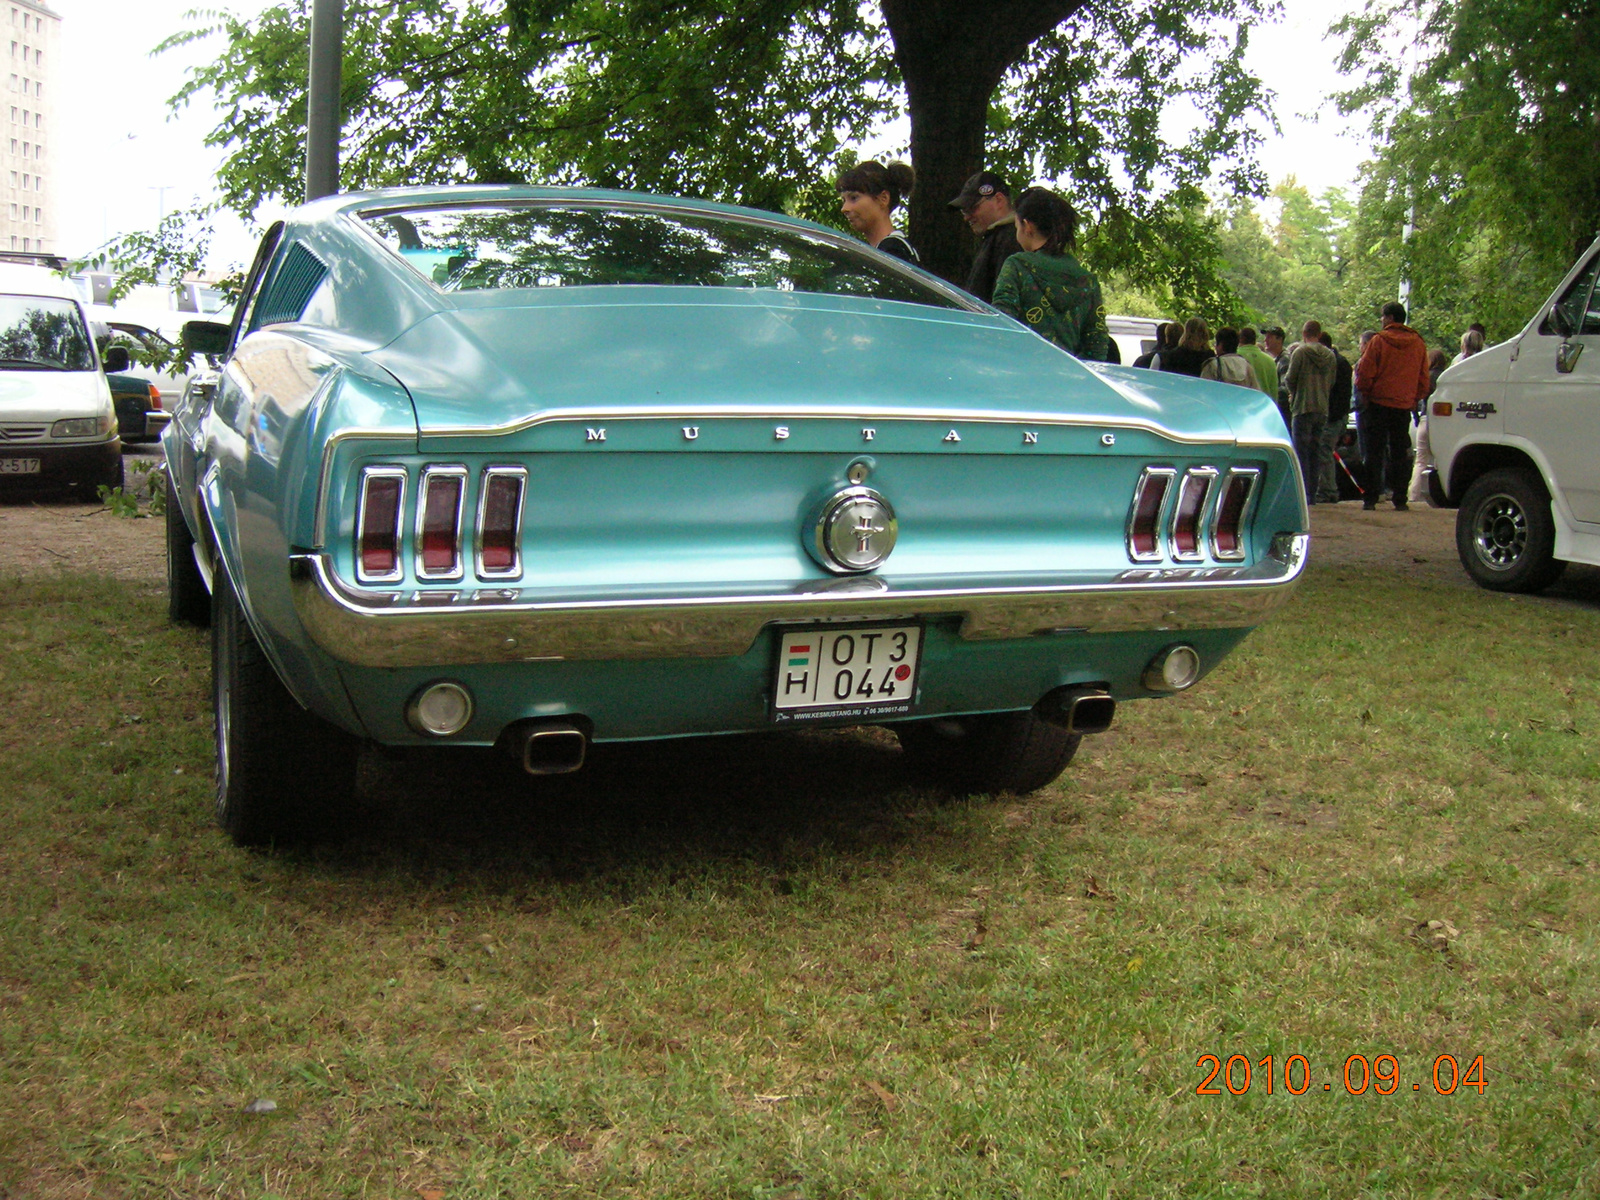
1045 287
869 193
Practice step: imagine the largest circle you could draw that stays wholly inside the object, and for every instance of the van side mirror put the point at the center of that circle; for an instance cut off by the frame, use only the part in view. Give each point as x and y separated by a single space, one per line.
1559 321
206 337
115 359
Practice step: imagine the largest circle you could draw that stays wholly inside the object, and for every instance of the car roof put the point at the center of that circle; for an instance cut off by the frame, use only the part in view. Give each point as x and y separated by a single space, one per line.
19 280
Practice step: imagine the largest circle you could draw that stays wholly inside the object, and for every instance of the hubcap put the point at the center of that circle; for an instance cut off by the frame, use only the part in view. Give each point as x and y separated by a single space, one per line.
1500 533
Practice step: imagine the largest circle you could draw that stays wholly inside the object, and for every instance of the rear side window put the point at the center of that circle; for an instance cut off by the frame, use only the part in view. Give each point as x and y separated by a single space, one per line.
484 247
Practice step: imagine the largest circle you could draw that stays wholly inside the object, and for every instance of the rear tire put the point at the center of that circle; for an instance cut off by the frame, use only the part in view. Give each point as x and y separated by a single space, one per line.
995 752
188 602
283 774
1505 533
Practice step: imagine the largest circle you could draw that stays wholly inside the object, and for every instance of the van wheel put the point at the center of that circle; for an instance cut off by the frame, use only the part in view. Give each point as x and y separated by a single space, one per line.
1505 534
188 602
283 774
994 752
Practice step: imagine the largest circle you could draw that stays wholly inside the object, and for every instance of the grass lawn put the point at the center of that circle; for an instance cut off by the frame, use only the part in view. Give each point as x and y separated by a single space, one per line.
766 968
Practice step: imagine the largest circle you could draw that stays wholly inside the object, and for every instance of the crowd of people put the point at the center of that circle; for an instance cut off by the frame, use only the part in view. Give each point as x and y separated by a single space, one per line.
1025 266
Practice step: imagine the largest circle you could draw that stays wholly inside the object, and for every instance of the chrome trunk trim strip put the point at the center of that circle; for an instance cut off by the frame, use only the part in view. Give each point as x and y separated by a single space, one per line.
379 629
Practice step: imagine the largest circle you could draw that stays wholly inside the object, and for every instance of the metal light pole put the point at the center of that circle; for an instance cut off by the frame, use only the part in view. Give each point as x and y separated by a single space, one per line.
323 118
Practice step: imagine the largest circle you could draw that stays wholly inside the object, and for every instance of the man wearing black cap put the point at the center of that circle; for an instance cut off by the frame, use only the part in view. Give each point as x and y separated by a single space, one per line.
985 203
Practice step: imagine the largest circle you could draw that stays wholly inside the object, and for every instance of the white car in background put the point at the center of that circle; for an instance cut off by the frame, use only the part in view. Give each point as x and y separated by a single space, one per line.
1516 442
57 422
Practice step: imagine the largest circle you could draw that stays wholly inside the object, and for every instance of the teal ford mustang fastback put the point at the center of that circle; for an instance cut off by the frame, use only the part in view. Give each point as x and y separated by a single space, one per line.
539 468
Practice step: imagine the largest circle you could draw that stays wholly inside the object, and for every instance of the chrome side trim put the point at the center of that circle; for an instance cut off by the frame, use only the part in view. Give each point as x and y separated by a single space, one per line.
520 474
447 471
1253 476
368 474
1169 474
1205 479
381 629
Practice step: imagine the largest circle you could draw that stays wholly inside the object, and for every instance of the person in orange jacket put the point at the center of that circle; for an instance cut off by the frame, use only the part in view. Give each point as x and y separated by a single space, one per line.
1393 378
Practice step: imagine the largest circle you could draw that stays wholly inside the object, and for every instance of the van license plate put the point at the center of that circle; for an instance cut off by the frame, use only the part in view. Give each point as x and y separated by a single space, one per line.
840 672
19 466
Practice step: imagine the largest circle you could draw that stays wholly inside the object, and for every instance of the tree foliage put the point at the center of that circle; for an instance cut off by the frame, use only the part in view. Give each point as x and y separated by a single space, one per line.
761 102
1487 117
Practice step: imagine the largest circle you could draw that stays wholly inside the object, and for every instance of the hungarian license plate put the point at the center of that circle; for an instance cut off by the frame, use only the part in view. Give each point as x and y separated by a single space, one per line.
839 672
19 466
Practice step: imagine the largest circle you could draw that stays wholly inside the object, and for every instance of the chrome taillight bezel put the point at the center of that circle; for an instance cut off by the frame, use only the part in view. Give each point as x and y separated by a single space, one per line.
1251 478
368 476
520 476
1204 479
457 566
1167 475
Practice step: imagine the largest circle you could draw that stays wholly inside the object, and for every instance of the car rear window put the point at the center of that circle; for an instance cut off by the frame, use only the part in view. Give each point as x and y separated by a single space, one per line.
41 333
483 248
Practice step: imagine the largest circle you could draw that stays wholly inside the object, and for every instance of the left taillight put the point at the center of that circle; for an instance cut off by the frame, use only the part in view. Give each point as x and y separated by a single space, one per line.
439 522
155 398
383 491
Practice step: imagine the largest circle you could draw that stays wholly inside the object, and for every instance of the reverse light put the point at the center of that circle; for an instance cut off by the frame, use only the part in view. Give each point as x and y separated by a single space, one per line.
500 523
1144 517
1227 540
1173 670
378 524
440 709
1190 510
439 522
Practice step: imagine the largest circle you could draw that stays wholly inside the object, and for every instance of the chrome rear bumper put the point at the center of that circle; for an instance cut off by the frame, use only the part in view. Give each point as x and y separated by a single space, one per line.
409 629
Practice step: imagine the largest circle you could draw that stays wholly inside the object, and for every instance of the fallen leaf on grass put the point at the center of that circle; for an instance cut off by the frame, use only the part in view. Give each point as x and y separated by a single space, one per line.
980 930
1095 892
1436 935
431 1193
884 1095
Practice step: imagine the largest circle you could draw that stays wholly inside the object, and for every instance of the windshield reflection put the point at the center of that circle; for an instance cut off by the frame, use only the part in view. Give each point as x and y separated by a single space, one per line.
472 249
41 333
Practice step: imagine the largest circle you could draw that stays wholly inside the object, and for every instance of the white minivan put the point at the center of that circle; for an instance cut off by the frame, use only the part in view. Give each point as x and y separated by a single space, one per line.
1516 443
57 423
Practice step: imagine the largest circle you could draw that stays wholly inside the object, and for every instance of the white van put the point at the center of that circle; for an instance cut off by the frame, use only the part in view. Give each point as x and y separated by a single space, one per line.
1516 442
57 423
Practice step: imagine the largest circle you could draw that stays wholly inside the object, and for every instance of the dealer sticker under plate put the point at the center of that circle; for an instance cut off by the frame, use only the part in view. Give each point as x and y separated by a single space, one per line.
19 466
841 672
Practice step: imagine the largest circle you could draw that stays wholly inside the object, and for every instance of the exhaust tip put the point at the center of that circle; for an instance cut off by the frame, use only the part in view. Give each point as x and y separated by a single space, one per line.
547 747
1078 708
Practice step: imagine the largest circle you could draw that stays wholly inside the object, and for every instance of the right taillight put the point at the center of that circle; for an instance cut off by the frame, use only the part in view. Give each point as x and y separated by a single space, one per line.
500 523
1227 529
1190 511
378 524
1144 518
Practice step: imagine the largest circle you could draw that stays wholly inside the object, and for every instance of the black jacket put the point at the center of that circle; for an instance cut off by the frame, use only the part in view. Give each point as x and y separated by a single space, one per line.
1339 395
998 244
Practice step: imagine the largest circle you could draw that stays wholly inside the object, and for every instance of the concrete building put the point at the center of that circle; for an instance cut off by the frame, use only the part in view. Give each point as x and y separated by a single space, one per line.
27 130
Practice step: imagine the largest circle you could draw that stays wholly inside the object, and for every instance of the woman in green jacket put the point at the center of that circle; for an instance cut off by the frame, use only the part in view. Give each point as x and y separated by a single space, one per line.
1045 287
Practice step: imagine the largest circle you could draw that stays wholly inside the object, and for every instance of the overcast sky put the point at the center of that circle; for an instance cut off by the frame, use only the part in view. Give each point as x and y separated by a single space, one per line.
122 160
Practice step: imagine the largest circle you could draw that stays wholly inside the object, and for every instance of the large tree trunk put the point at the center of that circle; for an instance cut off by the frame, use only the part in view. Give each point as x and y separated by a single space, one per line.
952 56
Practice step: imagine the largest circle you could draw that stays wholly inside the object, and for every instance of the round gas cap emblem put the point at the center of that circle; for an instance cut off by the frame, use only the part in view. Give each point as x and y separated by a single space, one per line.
856 531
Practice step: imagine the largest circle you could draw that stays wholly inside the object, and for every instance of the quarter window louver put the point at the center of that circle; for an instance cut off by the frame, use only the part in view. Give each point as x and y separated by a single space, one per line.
297 277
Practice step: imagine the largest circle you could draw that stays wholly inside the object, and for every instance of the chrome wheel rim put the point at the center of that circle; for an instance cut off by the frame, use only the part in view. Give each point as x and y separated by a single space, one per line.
1500 533
224 705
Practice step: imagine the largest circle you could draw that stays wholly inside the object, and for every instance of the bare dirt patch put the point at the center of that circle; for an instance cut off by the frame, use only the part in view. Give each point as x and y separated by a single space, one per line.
49 533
